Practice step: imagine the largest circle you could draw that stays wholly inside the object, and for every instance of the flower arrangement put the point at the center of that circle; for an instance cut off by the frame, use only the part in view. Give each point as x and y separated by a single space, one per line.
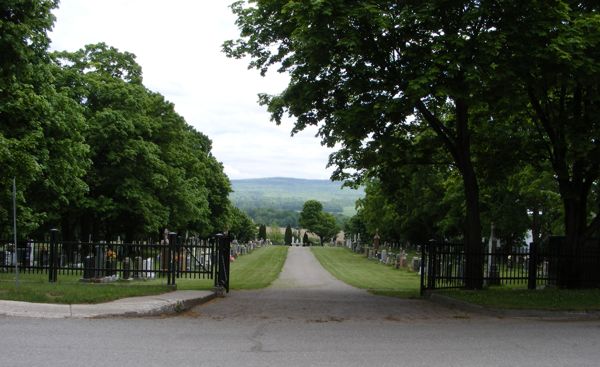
111 255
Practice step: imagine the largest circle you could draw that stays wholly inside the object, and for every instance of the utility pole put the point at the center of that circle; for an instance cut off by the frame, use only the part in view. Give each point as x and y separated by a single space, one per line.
15 232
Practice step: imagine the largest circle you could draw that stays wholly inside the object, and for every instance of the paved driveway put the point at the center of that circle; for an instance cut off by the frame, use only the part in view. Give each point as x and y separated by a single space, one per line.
306 291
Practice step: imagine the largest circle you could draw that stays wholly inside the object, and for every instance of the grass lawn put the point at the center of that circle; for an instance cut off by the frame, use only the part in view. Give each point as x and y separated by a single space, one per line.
545 299
252 271
361 272
258 269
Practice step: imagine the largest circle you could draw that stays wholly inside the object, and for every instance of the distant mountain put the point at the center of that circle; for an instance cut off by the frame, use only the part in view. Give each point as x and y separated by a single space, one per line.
282 193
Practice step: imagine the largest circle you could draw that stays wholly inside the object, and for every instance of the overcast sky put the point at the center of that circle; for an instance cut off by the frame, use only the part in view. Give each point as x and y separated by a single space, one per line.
178 45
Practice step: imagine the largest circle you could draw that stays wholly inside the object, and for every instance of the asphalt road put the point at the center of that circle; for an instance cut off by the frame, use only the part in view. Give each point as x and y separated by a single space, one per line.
306 318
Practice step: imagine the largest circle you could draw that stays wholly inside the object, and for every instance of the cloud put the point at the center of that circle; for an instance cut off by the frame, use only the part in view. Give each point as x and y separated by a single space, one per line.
178 45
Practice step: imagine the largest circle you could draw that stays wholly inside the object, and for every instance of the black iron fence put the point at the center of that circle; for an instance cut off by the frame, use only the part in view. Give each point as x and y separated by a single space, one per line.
546 264
172 258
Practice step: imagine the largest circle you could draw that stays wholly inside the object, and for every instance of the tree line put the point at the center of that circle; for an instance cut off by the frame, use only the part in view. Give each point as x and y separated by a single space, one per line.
467 111
93 150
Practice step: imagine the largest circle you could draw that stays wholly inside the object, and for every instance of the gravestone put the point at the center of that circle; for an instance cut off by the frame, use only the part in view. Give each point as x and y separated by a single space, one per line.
100 262
416 264
384 256
148 266
88 267
126 268
137 266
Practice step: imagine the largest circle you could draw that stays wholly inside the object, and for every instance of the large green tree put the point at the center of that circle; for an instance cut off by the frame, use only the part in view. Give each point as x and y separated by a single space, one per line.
41 127
150 169
241 225
315 220
553 63
361 70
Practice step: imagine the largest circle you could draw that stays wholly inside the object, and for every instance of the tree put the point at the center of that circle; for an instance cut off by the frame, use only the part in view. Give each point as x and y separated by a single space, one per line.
315 220
362 70
554 63
41 134
288 235
262 232
241 225
305 240
150 169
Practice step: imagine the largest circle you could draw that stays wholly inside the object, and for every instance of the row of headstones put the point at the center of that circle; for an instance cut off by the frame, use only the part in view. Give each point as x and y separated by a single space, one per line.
239 249
99 267
396 259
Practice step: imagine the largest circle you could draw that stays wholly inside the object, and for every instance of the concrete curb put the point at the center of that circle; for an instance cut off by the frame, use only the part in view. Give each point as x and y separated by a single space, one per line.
512 313
158 305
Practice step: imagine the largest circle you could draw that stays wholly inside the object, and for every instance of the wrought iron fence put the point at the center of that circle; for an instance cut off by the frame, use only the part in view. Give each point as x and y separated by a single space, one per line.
191 258
548 264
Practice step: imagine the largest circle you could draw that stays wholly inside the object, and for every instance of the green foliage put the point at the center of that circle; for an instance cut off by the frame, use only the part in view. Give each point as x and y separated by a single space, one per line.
274 235
274 216
92 149
315 220
150 169
287 195
41 135
498 88
241 225
262 232
288 235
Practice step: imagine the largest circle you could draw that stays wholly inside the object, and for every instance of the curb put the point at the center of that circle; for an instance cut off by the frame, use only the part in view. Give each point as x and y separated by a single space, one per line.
513 313
145 306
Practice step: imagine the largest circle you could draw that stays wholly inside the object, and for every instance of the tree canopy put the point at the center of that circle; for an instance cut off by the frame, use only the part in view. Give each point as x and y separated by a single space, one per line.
315 220
94 152
390 81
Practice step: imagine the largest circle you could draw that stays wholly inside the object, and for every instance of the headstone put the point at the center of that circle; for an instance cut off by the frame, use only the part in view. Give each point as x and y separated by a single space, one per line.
126 268
137 266
100 262
147 266
384 256
376 240
88 267
416 264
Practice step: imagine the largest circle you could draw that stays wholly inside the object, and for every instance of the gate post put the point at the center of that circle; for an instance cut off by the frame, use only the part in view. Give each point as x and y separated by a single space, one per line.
531 279
52 270
171 251
223 253
431 265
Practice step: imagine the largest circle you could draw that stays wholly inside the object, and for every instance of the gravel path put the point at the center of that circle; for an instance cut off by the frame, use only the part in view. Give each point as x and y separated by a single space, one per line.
306 291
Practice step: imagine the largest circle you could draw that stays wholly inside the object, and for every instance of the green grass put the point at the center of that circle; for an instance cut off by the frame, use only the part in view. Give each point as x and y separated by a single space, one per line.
258 269
361 272
67 292
252 271
545 299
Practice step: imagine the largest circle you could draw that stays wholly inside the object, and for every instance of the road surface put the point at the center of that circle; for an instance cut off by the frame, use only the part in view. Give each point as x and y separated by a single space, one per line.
306 318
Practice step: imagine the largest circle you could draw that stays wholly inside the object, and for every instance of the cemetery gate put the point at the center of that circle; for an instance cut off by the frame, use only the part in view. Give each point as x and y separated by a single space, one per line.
172 258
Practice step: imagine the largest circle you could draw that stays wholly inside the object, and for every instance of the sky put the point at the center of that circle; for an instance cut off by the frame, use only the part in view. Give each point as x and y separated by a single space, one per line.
178 44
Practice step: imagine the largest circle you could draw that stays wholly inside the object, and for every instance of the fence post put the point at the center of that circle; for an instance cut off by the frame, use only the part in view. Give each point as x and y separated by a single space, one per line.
432 262
531 279
52 270
171 258
422 268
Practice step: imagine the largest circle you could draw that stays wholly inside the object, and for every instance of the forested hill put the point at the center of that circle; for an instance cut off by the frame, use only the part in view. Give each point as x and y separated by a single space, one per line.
280 196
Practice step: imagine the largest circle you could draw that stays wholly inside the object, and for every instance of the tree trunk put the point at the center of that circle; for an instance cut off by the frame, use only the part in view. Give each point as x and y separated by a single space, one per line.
575 206
458 143
473 244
